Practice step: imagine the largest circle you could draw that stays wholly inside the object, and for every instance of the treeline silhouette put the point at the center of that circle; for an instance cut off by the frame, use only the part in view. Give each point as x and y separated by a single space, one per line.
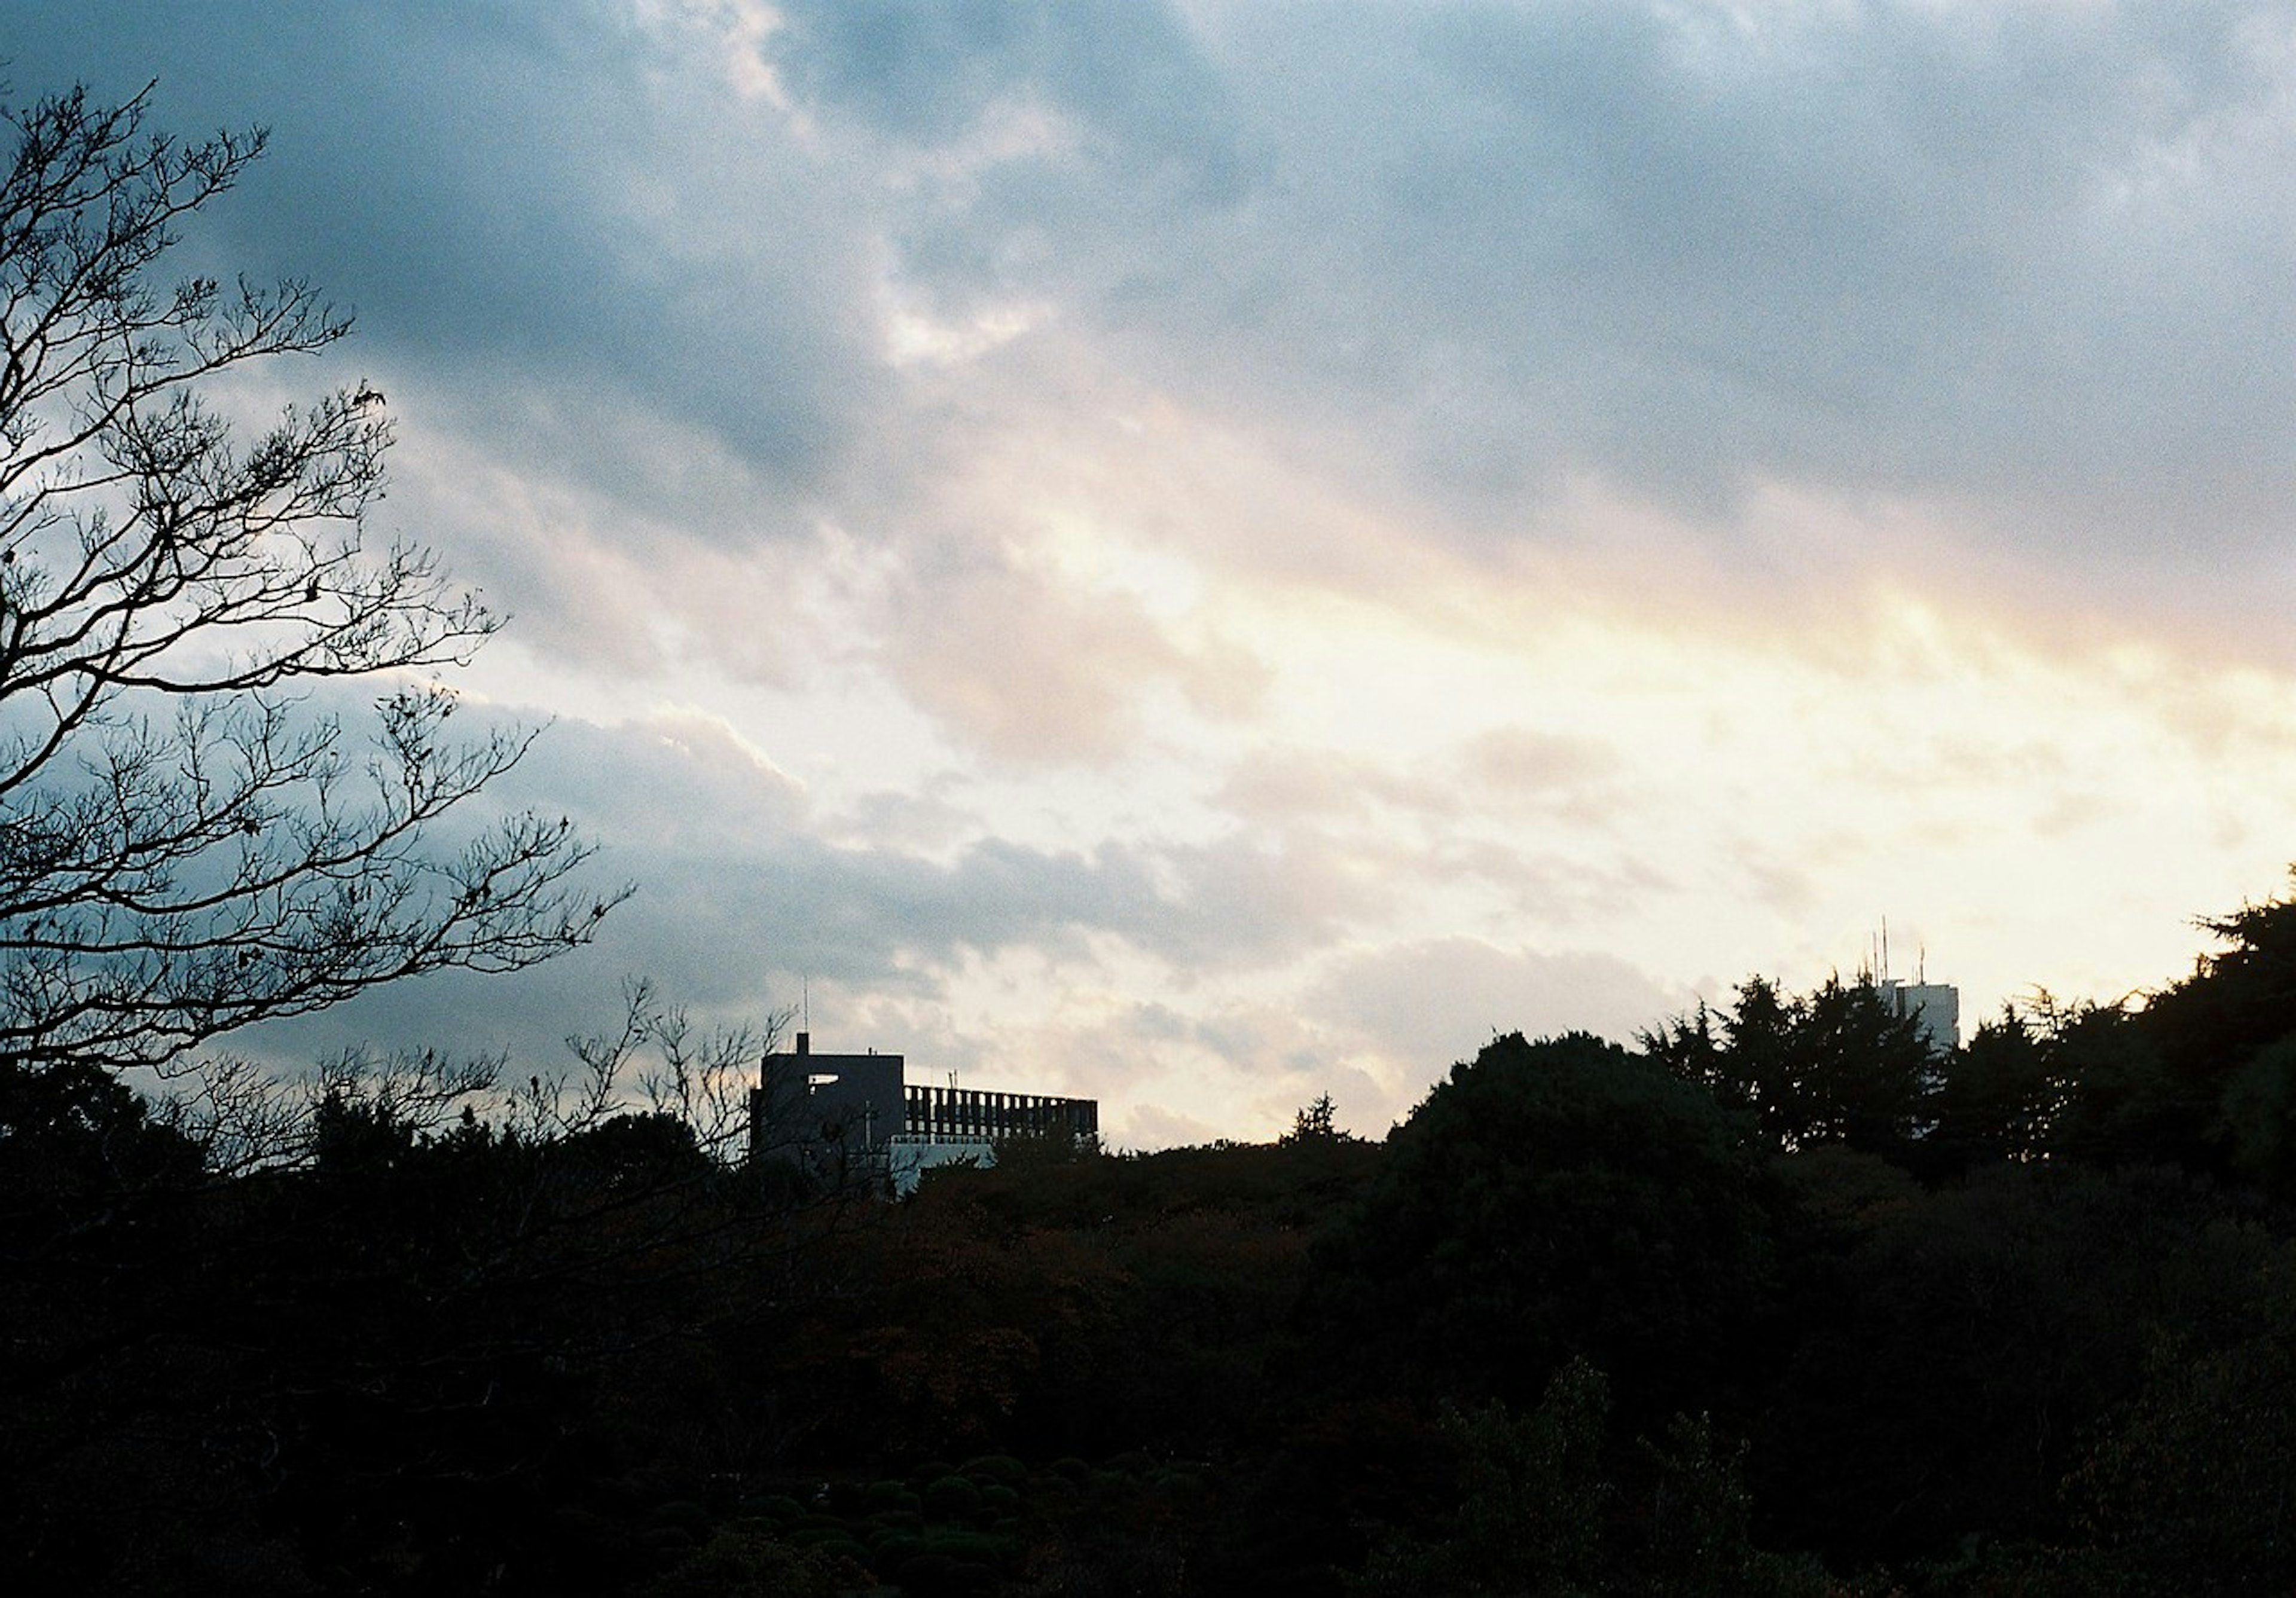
1778 1300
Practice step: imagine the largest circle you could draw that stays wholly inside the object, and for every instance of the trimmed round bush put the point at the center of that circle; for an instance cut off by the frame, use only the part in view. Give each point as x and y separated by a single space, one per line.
996 1467
951 1497
778 1507
686 1515
894 1550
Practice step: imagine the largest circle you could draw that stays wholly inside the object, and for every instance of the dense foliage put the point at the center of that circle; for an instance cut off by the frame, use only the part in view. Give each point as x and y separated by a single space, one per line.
2017 1319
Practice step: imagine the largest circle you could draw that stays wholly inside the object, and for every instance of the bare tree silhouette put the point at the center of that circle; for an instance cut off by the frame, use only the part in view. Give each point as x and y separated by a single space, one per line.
188 844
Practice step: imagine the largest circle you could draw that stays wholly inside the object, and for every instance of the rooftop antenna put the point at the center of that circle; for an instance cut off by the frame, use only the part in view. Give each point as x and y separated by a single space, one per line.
1885 948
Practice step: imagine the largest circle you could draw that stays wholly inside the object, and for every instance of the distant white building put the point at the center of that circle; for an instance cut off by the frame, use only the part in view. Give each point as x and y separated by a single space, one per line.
1935 1008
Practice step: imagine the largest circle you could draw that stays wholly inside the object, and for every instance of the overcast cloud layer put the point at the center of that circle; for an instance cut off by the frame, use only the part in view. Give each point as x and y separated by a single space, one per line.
1209 554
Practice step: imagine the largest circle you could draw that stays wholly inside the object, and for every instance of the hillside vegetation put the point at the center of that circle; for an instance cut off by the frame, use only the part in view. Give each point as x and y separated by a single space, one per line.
1773 1301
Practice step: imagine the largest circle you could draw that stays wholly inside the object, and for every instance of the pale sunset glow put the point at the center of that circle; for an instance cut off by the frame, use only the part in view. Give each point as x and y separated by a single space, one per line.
1204 554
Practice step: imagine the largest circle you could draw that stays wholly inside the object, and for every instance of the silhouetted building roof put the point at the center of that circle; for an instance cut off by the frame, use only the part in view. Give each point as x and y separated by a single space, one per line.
856 1118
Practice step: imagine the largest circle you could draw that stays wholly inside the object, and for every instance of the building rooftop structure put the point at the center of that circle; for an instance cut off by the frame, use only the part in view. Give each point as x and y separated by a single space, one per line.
1934 1007
856 1120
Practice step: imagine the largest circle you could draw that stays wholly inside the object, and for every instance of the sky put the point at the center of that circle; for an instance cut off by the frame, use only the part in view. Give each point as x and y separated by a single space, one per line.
1208 553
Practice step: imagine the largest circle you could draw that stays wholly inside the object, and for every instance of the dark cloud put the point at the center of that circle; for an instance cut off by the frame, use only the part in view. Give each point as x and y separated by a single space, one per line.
1872 245
2019 253
928 71
737 881
568 225
2024 259
740 896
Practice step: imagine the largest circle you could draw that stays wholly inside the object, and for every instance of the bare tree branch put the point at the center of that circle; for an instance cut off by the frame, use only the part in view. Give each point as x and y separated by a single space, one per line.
186 847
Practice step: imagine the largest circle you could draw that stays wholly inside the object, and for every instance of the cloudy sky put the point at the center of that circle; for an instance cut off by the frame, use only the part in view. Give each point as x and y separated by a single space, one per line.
1204 554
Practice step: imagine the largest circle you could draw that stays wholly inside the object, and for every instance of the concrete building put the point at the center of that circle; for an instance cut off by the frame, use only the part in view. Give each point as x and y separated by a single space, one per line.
1934 1006
855 1120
